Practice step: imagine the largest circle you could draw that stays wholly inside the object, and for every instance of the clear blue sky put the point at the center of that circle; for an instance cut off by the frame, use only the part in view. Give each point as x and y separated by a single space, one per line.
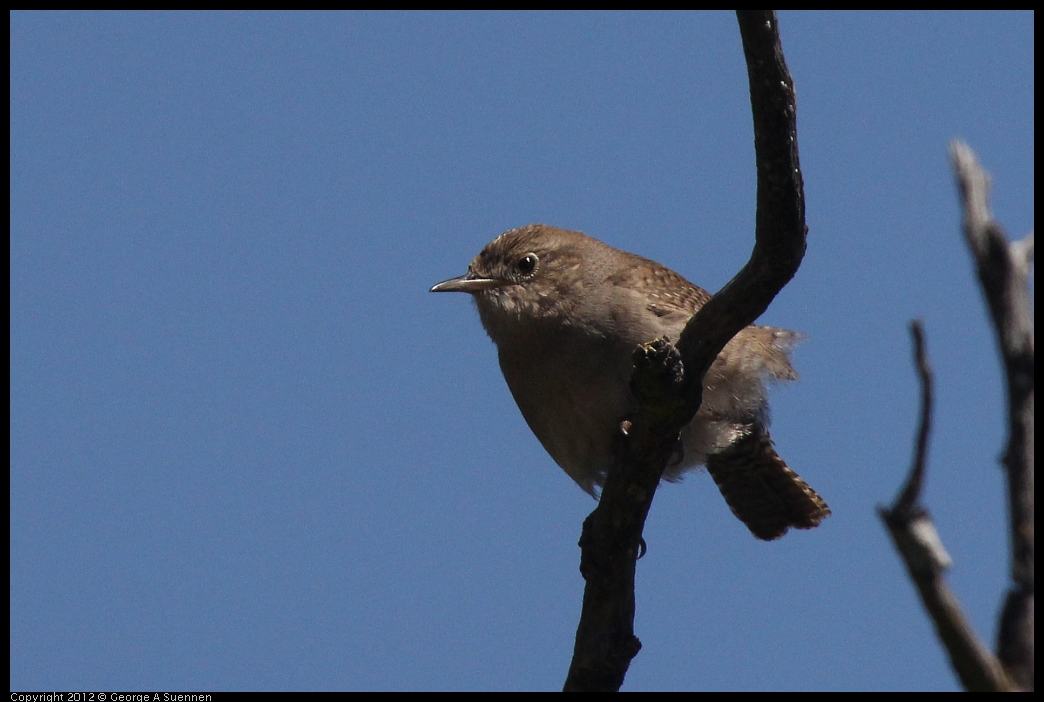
249 451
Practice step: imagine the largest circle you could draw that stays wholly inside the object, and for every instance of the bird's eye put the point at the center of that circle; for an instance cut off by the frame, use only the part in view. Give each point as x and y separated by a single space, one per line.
527 263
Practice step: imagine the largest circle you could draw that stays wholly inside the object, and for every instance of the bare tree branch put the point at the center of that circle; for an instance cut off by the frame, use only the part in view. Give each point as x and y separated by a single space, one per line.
1003 271
668 382
911 494
918 543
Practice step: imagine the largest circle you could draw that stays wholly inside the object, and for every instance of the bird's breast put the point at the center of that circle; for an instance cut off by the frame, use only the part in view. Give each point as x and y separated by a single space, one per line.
573 390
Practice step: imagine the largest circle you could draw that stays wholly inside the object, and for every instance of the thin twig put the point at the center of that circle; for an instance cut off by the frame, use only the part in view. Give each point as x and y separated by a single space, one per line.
911 493
922 550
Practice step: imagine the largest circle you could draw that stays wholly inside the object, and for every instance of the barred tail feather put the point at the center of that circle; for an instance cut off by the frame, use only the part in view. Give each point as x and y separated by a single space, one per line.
762 491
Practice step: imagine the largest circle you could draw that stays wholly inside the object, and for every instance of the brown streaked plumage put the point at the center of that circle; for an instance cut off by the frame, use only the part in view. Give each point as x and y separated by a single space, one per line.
566 312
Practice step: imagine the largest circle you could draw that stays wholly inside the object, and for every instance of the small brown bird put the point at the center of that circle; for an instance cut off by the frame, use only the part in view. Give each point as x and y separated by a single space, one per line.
567 311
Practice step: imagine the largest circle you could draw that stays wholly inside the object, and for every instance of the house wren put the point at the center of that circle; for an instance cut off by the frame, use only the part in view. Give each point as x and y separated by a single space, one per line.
567 311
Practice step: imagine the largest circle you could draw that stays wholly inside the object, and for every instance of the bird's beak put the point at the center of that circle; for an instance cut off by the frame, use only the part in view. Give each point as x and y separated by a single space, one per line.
468 283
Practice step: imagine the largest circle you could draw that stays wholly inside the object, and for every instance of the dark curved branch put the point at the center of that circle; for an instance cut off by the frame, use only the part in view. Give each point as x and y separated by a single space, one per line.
668 382
780 220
